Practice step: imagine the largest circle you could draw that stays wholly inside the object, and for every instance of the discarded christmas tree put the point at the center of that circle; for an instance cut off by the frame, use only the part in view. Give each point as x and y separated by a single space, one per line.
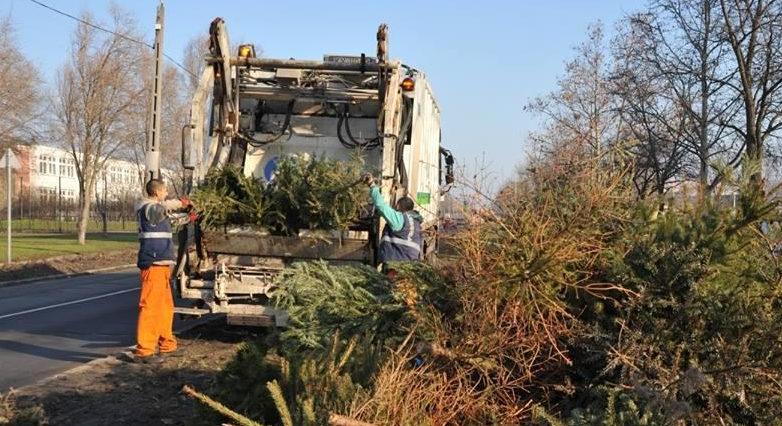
306 193
230 197
315 193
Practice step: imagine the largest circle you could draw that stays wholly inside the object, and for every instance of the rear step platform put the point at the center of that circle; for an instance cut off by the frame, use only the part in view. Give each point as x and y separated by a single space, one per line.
252 315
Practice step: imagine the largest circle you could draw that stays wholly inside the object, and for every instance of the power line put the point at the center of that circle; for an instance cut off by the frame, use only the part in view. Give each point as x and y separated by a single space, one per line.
182 67
98 27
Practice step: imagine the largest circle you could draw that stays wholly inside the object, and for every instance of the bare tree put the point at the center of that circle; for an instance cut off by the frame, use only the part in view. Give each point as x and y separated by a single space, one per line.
753 29
96 88
656 126
692 85
581 110
19 88
195 54
677 48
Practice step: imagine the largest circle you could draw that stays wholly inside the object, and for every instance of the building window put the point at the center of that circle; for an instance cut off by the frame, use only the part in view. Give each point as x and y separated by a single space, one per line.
47 193
47 165
66 167
43 164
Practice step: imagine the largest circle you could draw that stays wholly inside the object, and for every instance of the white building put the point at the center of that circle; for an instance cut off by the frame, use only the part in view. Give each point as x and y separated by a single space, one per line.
45 169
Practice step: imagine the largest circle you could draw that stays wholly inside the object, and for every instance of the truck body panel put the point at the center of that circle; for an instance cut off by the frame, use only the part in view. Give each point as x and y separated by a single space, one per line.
422 156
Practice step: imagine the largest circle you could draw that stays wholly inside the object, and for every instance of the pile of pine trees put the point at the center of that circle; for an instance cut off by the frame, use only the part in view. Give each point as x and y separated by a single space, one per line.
306 193
572 303
345 323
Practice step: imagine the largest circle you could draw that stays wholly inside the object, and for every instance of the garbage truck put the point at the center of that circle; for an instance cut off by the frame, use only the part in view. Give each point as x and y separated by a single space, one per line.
251 111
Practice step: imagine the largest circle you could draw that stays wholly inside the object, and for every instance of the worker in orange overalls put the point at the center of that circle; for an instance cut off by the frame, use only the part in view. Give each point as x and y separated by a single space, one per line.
155 259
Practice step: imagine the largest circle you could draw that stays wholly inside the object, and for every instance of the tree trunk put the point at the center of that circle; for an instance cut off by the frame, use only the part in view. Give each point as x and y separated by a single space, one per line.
754 151
703 125
84 214
705 101
105 210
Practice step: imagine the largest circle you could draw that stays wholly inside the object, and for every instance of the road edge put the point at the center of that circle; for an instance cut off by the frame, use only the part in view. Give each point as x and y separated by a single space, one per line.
61 276
114 357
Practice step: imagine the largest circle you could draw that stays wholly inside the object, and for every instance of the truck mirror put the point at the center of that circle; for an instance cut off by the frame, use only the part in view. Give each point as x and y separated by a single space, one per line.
187 155
448 157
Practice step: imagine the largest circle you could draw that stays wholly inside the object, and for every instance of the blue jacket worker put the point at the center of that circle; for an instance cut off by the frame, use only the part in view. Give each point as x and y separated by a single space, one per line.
401 239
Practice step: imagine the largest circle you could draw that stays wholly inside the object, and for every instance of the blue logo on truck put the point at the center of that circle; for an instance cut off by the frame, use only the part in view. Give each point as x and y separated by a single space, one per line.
270 168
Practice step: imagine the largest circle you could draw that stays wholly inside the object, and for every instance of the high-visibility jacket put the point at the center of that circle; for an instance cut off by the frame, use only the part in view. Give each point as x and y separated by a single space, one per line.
154 234
404 244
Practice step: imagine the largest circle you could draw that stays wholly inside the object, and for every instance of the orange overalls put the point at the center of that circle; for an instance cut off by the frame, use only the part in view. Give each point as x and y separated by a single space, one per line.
155 312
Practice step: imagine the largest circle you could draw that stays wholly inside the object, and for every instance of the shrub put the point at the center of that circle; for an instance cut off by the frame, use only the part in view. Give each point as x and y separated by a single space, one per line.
12 414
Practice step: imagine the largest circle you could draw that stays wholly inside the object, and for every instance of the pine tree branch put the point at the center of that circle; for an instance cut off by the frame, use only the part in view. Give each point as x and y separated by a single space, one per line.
220 408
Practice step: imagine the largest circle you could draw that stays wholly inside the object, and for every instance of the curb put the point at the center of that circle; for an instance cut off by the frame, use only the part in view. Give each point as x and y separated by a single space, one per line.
113 358
62 276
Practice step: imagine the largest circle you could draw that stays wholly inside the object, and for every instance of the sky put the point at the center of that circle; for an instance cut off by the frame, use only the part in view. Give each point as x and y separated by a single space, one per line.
484 59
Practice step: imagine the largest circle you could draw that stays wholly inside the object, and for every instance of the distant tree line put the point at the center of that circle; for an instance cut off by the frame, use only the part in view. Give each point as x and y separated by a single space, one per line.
687 90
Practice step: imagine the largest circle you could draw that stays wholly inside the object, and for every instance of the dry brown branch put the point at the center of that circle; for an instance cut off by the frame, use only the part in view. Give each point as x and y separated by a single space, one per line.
220 408
339 420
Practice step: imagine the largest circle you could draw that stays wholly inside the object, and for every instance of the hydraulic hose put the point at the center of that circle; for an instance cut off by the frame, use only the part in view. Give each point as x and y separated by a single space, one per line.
404 133
351 142
285 128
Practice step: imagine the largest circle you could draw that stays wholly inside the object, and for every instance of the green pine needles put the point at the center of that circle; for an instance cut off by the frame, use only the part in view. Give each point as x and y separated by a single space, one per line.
306 193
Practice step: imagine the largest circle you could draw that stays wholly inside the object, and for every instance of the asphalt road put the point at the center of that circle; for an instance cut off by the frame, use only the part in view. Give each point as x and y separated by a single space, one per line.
48 327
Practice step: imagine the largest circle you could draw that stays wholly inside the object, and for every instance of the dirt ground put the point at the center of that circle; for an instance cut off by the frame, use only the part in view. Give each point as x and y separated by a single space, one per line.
112 391
66 264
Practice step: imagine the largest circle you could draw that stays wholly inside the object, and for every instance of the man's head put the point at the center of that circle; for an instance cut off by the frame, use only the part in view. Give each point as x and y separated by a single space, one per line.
405 204
156 189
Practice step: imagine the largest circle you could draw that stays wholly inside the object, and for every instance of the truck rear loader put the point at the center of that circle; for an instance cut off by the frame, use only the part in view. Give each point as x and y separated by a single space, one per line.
251 111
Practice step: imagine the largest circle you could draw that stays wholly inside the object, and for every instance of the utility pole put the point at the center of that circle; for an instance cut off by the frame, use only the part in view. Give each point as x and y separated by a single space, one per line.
105 204
153 131
8 205
21 204
59 203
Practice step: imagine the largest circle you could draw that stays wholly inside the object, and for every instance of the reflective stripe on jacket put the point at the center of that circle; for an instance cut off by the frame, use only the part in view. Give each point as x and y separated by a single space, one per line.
154 234
404 244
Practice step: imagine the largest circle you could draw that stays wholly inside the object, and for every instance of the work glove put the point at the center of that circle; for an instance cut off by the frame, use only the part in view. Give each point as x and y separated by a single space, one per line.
368 179
185 202
192 216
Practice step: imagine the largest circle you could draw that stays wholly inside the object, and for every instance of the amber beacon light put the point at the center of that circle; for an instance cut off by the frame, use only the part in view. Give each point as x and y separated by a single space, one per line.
408 84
